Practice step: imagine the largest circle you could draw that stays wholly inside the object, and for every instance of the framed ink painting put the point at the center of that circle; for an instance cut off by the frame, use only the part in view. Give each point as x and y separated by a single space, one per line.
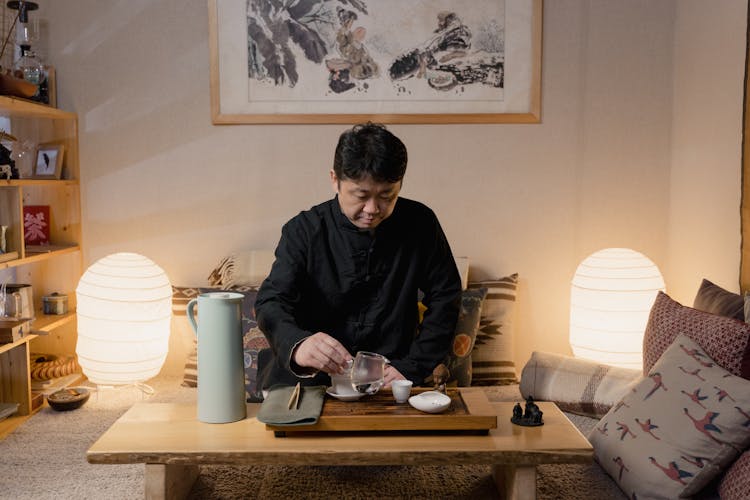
390 61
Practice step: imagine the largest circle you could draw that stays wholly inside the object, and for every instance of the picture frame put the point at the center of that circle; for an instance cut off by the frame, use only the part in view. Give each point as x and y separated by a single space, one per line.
387 61
48 161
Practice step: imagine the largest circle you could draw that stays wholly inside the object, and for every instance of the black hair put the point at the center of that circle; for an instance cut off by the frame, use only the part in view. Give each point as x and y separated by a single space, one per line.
369 149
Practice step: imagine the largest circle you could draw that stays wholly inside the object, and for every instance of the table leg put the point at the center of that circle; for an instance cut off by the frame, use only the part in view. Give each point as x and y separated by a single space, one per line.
169 481
515 482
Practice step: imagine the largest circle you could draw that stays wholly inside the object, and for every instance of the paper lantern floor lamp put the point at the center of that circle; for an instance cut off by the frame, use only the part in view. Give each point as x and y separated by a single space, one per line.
611 296
124 307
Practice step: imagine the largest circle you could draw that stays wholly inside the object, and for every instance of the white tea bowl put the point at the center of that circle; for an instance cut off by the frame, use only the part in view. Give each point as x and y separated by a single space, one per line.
430 402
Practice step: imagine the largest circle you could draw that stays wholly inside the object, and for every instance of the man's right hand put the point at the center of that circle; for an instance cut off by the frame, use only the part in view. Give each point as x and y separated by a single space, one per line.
322 352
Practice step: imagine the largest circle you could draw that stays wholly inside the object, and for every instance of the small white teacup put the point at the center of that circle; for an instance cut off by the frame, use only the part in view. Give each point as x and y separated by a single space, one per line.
401 390
342 385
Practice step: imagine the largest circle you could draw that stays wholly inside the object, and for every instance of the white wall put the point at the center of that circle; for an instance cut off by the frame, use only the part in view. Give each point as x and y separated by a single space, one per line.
624 96
705 190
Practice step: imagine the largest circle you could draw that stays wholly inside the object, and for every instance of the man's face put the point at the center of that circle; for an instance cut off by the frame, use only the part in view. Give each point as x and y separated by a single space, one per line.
366 203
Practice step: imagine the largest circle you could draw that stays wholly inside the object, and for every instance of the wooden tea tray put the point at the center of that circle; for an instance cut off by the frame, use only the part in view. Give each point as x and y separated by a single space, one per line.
469 411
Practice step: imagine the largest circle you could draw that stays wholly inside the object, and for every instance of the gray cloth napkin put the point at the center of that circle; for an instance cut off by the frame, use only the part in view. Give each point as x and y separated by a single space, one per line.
275 408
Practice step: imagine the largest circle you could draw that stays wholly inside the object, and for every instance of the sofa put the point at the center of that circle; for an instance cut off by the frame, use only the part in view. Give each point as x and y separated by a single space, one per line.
646 440
681 428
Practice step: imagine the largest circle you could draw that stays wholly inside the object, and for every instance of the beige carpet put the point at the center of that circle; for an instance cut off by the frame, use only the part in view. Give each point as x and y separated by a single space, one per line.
45 459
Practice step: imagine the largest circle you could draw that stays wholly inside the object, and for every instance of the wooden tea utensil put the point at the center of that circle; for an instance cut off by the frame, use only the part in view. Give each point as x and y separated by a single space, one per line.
294 399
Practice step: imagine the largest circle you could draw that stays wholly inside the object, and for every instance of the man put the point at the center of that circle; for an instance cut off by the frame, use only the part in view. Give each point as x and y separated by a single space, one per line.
348 272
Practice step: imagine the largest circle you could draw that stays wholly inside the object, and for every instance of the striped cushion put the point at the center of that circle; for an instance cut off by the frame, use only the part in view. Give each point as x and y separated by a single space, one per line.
492 357
576 385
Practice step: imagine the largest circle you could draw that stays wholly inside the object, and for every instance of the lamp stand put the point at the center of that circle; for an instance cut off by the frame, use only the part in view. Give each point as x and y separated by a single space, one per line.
137 391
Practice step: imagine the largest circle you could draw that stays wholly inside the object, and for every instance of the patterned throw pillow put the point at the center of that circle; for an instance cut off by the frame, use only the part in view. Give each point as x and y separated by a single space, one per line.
714 299
678 428
493 354
459 360
735 485
724 339
253 339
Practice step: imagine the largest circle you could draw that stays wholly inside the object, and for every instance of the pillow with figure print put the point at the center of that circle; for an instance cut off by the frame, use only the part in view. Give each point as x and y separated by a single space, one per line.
678 428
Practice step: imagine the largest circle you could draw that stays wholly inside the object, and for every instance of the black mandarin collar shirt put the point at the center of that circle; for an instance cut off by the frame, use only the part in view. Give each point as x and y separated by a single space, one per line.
360 287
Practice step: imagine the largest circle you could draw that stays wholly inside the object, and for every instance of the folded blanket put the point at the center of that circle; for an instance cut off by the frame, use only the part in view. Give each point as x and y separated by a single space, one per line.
275 408
576 385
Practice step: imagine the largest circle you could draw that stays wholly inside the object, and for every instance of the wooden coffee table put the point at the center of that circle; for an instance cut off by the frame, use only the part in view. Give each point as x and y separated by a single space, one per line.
172 443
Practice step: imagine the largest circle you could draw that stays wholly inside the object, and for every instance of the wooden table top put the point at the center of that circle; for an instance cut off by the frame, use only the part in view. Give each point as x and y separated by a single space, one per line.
167 433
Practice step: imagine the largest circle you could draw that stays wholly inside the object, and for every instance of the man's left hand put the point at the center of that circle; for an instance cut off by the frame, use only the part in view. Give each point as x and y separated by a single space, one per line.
390 374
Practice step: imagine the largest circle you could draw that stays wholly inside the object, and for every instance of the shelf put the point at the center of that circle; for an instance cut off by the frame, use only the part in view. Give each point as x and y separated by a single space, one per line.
48 322
39 182
13 106
39 257
12 345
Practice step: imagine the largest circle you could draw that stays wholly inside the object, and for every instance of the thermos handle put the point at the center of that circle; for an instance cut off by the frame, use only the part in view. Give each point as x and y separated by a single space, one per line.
191 315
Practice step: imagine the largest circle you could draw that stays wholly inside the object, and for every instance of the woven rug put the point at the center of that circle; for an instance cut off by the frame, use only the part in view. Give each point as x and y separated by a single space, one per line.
45 458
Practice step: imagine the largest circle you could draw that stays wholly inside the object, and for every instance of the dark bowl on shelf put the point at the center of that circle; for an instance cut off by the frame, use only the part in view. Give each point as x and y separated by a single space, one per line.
68 399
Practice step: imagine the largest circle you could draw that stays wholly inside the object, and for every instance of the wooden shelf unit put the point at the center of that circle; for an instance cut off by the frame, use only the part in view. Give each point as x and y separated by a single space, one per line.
55 270
15 384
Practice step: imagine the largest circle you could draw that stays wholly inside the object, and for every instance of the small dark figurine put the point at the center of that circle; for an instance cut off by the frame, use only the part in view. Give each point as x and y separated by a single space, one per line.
531 417
517 412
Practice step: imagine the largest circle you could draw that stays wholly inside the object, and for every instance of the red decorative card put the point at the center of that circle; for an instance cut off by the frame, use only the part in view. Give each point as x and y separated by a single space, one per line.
36 224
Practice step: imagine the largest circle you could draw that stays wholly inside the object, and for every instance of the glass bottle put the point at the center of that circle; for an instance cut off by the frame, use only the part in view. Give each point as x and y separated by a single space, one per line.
30 66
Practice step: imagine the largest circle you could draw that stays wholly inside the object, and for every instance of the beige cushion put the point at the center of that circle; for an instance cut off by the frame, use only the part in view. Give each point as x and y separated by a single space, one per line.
680 426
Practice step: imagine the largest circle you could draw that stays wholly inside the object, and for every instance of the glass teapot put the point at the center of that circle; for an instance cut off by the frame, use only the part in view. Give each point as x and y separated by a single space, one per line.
368 371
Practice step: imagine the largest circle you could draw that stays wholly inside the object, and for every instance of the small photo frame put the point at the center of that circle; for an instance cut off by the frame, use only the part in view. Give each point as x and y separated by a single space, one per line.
49 161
